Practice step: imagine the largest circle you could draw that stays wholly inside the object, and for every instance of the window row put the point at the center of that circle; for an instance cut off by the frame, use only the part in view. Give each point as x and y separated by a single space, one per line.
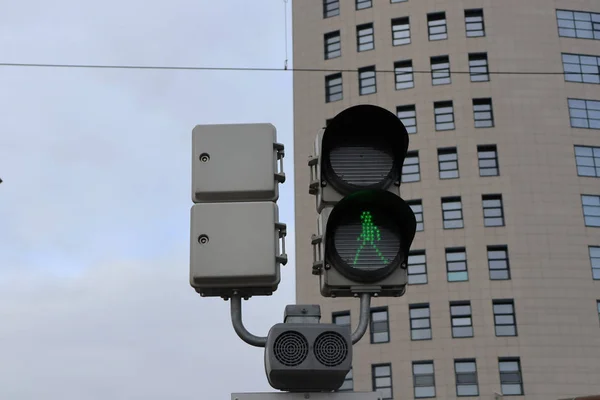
331 8
448 168
452 209
423 378
587 160
578 24
400 31
456 264
420 320
404 75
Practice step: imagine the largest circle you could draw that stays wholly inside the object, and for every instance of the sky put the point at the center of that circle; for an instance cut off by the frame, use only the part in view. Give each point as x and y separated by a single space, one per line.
95 301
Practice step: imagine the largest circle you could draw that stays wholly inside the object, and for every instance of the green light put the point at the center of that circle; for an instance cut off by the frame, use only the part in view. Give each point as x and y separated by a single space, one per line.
368 236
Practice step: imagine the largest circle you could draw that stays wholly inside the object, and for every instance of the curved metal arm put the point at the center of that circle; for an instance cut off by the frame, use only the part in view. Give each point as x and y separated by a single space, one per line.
363 319
238 325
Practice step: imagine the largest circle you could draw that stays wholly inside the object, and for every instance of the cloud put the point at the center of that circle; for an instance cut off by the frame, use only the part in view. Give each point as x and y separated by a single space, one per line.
94 207
127 331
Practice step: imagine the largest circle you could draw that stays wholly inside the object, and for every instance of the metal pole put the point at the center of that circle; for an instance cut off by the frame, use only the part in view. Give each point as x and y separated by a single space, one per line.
363 319
238 325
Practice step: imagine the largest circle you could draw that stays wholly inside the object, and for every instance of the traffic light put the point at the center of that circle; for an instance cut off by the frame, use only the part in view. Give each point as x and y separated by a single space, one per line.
237 242
364 228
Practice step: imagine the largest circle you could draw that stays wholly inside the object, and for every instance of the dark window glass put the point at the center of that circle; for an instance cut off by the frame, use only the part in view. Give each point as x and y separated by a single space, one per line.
461 318
436 26
452 213
474 25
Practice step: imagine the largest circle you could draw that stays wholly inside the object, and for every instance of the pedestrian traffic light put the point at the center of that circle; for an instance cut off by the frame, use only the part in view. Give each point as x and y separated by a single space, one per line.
364 228
237 242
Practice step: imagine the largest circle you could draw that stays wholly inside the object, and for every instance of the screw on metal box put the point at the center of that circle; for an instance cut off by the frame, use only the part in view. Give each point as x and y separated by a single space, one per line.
204 157
203 239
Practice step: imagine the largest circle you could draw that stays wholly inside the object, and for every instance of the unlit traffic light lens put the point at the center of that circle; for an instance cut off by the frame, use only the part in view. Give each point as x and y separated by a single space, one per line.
362 165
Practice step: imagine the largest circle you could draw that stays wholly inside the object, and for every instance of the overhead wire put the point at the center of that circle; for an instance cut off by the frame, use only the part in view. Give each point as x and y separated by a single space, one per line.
265 69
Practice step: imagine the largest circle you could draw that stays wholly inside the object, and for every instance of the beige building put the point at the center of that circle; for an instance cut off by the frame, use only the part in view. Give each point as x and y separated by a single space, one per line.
504 172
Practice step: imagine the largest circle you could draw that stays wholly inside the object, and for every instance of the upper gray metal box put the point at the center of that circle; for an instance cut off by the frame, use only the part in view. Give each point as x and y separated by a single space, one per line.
236 162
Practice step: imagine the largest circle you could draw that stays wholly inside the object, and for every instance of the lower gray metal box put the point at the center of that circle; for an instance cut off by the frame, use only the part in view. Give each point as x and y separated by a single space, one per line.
235 246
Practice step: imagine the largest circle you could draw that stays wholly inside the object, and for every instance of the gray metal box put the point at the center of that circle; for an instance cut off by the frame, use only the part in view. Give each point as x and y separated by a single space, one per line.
308 357
236 246
236 162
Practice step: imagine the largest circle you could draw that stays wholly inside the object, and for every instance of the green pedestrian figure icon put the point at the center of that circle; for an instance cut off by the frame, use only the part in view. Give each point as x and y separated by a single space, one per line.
369 235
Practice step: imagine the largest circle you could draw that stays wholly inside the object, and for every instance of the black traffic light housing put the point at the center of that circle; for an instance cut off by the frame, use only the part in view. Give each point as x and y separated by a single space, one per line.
365 228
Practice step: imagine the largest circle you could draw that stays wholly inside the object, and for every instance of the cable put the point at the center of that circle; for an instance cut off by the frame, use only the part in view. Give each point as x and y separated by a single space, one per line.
263 69
285 3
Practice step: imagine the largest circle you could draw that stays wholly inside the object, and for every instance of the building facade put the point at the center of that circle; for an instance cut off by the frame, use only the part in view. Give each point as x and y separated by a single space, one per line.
502 102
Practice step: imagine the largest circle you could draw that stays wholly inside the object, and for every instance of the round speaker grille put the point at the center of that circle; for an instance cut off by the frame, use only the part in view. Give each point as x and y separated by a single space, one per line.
330 349
290 348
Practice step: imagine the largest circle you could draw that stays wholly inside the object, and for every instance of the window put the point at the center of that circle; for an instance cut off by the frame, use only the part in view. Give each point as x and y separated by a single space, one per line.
420 321
382 380
400 31
448 163
462 321
587 159
474 23
511 380
331 8
348 384
478 67
341 318
591 209
380 328
584 113
417 208
417 267
408 116
493 214
436 25
598 305
498 263
362 4
577 24
410 170
367 83
444 115
488 160
581 68
333 47
504 317
595 261
466 378
452 213
440 70
398 1
333 88
456 265
365 37
423 379
482 113
403 70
